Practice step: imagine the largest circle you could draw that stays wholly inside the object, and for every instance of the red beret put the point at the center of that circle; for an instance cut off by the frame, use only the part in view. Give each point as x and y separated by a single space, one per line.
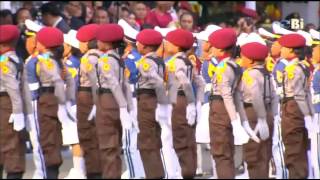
255 51
8 33
292 40
223 38
149 37
110 33
181 38
87 32
50 37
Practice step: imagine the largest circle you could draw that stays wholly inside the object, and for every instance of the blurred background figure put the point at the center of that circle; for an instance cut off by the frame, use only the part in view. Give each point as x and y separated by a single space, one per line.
160 15
51 16
101 16
6 17
140 10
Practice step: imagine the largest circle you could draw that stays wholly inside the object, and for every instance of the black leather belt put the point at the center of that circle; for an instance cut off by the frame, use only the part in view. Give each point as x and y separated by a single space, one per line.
87 89
146 91
216 97
181 93
3 94
286 99
247 105
46 90
103 90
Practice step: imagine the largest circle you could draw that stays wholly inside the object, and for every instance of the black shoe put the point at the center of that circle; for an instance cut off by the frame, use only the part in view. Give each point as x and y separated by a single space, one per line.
52 172
14 175
94 176
1 171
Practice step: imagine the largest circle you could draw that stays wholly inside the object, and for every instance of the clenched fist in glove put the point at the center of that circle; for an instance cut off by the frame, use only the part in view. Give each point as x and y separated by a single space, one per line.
262 128
18 121
239 134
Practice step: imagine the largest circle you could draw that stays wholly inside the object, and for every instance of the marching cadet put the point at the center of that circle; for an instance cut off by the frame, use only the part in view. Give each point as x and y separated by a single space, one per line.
71 63
276 65
170 159
114 100
296 108
207 70
86 99
224 121
12 107
152 102
184 101
129 138
260 106
52 108
33 82
315 89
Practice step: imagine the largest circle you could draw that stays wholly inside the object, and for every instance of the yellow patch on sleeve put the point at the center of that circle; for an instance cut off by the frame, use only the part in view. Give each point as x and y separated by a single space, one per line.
106 67
290 71
73 72
5 69
269 64
145 66
211 70
50 65
127 72
247 79
279 76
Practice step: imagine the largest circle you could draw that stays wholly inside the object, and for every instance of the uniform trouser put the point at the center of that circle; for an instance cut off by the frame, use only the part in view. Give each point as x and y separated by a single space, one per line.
170 158
131 152
88 134
295 139
109 133
278 152
184 140
222 140
258 155
149 138
11 144
38 158
50 130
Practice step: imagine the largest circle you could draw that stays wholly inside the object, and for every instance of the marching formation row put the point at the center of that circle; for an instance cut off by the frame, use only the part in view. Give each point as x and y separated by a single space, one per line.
169 90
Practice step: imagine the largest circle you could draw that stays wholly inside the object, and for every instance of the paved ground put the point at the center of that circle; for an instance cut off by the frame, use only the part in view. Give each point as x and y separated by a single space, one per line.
68 162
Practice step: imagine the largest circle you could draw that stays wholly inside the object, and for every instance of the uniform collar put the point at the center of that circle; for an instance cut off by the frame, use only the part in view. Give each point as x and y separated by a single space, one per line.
149 54
57 21
7 52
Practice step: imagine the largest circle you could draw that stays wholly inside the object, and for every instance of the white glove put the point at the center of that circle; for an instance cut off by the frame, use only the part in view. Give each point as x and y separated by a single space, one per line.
316 122
135 124
93 112
72 111
199 110
263 129
125 119
249 130
18 121
162 114
239 134
191 114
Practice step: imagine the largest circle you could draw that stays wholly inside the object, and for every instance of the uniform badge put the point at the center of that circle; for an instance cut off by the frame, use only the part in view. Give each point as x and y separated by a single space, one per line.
106 67
279 76
290 71
145 66
247 79
211 70
5 69
73 72
50 65
3 64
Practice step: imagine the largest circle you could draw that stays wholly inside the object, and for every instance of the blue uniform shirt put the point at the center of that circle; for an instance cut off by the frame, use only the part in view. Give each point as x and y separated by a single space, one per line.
316 88
130 63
